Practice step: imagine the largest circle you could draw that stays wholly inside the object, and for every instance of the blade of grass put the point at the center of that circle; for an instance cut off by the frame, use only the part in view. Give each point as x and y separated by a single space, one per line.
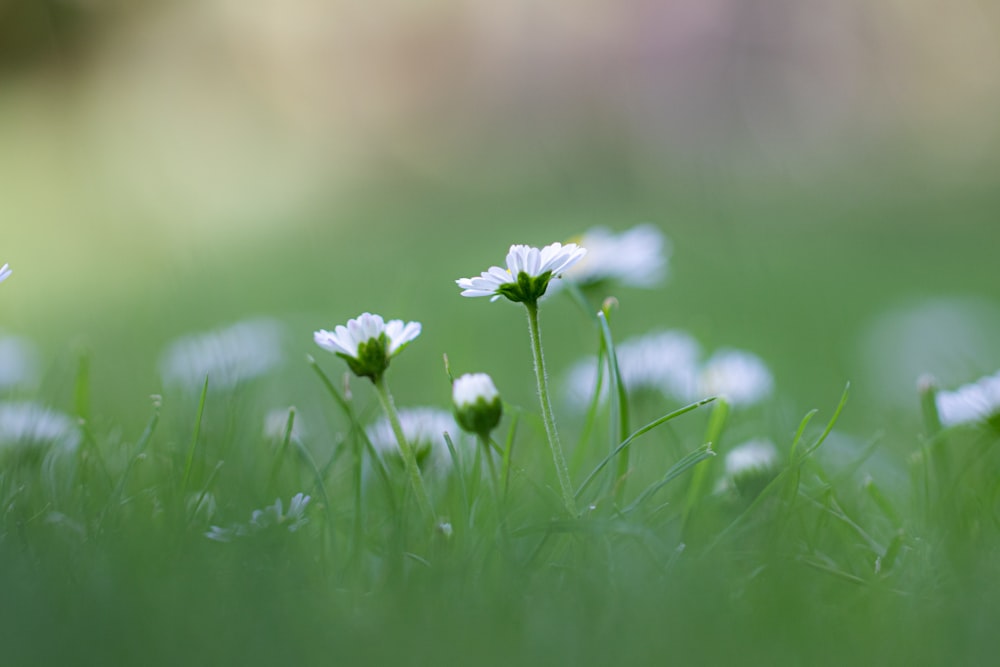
619 403
694 458
189 460
642 431
793 468
713 434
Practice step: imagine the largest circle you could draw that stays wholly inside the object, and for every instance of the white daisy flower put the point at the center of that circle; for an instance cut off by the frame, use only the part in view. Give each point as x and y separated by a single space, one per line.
424 429
272 517
637 257
18 362
740 377
227 356
527 274
32 425
5 272
664 361
368 343
477 403
975 402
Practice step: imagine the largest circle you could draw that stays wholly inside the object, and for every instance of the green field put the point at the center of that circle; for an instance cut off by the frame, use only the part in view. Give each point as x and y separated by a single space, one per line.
879 546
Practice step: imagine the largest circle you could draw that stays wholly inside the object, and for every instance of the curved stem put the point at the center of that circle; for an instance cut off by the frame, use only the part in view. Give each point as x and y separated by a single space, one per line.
562 470
409 458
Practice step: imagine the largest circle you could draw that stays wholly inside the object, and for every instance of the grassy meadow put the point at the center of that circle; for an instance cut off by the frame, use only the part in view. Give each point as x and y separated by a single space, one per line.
872 538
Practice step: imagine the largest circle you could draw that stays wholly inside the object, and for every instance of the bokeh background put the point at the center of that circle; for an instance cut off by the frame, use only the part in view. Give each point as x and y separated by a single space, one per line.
826 171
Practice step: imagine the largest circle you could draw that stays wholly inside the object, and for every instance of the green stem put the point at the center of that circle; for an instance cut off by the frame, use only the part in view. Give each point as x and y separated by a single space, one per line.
494 478
409 459
562 470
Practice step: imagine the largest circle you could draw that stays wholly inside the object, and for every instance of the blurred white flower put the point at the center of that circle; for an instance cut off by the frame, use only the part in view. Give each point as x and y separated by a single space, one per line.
740 377
271 518
970 403
753 455
665 361
637 257
276 423
5 272
748 467
424 429
368 343
18 362
32 425
953 338
527 275
228 356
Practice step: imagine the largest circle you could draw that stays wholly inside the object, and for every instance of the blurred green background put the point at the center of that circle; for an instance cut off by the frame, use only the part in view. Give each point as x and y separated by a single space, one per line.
169 167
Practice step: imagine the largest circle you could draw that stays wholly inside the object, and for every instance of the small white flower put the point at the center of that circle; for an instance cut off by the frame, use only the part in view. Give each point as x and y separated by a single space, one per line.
637 257
526 275
32 425
753 455
368 343
424 430
748 467
970 403
477 403
5 272
664 361
473 387
740 377
271 518
227 356
18 362
276 423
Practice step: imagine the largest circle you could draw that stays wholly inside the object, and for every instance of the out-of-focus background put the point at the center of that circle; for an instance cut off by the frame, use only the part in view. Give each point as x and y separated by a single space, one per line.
826 171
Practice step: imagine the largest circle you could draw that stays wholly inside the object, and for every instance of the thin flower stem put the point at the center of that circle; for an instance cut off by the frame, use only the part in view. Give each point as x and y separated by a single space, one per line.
562 470
409 459
494 478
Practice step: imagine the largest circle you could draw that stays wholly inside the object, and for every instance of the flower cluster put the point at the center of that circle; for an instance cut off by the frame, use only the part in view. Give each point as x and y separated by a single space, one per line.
368 343
669 362
527 274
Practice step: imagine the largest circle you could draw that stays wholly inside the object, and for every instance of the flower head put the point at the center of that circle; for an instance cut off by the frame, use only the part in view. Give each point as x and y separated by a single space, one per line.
228 356
665 361
637 257
368 343
424 429
740 377
527 275
970 403
30 427
5 272
477 403
750 466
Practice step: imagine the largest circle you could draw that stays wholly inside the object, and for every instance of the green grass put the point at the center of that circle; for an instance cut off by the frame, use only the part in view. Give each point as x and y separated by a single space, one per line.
867 550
